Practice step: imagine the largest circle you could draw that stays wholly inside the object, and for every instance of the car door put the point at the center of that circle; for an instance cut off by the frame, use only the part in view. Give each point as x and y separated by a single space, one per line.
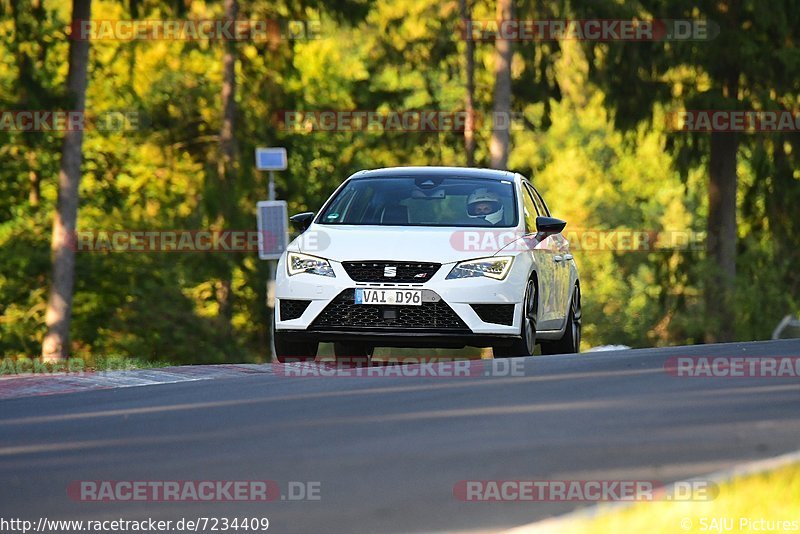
561 262
543 256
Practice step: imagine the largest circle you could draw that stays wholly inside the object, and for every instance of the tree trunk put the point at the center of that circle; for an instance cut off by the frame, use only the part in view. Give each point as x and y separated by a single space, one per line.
721 282
721 224
227 160
722 231
59 306
501 132
469 125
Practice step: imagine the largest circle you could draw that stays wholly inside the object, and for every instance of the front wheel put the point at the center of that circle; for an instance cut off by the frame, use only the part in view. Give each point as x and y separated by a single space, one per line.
570 342
527 342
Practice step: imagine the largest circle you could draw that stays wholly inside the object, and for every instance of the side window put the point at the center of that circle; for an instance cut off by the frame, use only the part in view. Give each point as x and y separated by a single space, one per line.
539 201
530 210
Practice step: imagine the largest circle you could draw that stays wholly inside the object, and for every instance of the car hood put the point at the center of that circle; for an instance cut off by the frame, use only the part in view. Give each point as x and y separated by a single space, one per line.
400 243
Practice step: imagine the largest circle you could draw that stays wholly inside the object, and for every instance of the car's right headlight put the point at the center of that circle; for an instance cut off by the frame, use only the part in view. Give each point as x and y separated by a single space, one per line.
297 263
496 267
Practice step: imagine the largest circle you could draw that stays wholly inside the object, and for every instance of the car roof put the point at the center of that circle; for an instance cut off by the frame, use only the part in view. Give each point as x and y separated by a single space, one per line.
491 174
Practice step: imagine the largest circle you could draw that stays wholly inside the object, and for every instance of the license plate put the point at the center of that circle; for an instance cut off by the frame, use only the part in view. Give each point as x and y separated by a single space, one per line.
399 297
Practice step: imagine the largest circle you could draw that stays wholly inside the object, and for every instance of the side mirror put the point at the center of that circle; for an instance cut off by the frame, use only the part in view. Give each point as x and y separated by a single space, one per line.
302 221
550 225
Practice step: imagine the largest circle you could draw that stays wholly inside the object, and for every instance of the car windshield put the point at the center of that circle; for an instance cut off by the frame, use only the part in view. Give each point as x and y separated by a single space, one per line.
423 201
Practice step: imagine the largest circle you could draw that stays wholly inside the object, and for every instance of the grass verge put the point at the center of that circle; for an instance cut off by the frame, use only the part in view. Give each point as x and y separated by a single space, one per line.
764 502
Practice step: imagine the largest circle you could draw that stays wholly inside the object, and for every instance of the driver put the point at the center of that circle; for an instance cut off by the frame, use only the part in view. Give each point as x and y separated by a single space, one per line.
486 205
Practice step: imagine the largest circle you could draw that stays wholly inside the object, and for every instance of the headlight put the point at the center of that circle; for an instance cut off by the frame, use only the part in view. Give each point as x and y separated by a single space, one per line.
496 267
297 263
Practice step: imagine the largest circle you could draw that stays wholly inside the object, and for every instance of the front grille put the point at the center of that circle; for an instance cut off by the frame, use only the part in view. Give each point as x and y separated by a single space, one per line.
344 313
293 309
495 313
405 272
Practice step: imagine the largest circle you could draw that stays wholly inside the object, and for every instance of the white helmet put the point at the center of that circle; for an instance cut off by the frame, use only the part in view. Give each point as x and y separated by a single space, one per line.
483 195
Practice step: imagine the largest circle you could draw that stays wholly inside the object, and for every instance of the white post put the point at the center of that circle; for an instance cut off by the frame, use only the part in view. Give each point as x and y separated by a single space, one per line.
271 159
271 280
272 185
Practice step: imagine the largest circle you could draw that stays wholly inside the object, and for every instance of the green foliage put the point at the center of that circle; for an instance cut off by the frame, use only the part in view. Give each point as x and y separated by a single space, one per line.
604 183
382 55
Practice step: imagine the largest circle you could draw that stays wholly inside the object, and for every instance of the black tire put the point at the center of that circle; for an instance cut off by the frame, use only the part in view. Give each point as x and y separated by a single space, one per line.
570 342
527 342
353 354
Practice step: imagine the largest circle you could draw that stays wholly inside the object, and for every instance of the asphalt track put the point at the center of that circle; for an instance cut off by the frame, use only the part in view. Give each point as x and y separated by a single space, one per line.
389 450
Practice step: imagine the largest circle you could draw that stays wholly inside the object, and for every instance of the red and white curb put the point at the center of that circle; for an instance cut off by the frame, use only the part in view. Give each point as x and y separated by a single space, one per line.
16 386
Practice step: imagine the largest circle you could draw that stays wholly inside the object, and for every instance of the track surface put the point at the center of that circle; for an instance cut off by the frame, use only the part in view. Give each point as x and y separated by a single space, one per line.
388 451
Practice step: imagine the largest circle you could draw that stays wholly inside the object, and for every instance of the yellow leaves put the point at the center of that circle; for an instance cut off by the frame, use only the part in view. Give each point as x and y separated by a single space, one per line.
328 68
676 218
517 66
409 25
572 70
249 51
198 9
203 296
684 77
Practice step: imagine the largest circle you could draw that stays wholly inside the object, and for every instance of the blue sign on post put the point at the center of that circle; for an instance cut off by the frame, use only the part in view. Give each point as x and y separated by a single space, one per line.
271 159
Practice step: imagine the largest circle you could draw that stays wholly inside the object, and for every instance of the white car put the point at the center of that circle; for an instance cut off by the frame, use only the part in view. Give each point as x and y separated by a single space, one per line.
428 257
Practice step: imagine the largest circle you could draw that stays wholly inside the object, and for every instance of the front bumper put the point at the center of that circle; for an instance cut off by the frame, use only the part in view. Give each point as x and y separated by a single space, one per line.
458 296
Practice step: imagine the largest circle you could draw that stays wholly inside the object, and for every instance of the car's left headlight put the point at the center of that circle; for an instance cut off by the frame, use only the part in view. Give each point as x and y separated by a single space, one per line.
297 263
496 267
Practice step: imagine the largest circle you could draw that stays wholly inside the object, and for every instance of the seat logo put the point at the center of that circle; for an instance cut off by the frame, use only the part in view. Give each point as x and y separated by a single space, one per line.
389 272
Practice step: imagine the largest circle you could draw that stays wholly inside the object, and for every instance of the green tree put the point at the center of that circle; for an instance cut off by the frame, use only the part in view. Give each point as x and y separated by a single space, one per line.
749 64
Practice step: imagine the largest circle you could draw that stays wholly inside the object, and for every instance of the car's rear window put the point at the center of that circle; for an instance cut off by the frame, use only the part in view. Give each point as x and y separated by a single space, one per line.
423 201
